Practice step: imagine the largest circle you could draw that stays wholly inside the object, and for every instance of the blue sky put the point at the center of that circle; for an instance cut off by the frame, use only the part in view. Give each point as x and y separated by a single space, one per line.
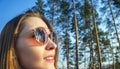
12 8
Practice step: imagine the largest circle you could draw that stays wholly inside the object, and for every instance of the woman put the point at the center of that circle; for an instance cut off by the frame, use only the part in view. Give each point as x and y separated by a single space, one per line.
27 42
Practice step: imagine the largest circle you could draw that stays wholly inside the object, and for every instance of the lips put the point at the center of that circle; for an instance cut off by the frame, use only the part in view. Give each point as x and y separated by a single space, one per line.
49 58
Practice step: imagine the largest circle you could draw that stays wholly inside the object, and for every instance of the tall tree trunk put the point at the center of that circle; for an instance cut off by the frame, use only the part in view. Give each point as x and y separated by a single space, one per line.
67 45
53 11
91 57
115 29
97 38
114 22
76 33
67 49
112 56
88 21
114 63
91 50
53 20
109 65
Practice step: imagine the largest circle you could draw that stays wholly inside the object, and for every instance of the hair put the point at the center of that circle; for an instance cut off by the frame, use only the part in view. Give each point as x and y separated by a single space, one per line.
8 37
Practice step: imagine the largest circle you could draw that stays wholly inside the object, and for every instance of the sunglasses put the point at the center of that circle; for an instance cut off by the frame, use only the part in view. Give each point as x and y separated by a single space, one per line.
41 36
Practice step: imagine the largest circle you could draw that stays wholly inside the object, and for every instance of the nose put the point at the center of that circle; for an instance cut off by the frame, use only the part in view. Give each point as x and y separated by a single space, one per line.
51 45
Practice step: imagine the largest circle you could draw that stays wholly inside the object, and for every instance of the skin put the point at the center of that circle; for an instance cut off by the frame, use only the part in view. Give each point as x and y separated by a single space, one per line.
31 54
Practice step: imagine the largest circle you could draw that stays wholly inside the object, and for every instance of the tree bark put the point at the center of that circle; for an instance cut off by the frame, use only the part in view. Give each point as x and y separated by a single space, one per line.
54 4
114 22
112 56
97 38
67 49
76 33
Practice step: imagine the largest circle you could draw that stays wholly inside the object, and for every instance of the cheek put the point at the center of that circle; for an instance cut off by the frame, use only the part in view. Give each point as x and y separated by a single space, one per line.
29 47
34 42
28 54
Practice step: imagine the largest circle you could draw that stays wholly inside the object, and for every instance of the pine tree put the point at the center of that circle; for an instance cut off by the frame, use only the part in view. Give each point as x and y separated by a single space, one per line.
97 38
76 32
114 23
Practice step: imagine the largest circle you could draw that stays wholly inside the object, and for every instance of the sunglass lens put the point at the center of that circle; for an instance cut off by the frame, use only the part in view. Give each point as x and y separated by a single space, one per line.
41 35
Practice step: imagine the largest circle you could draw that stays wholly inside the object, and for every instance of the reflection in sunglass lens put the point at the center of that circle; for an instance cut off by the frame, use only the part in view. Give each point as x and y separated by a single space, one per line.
41 35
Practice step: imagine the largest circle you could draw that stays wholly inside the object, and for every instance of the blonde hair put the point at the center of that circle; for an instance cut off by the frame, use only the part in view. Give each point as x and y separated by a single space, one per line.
8 37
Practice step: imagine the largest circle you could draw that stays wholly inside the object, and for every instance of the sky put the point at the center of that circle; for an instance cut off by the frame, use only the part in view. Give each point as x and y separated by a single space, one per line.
11 8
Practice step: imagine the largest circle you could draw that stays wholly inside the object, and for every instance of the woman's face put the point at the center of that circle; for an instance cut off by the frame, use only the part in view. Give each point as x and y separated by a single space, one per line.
33 54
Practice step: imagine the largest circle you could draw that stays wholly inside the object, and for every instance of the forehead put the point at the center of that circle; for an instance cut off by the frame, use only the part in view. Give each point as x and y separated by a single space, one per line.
33 23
